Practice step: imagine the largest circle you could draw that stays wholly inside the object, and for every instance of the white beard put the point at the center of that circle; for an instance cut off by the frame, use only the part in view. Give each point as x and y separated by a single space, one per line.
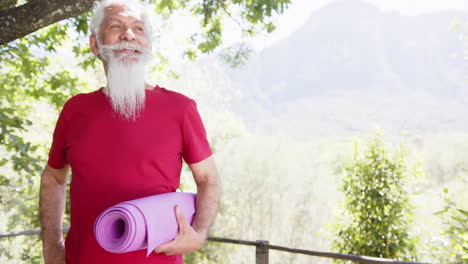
125 78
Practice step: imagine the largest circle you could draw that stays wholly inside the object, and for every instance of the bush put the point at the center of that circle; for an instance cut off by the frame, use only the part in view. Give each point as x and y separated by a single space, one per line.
376 209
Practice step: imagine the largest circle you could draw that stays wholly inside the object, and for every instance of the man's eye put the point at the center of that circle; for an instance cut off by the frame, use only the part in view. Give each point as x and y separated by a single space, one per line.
115 26
139 29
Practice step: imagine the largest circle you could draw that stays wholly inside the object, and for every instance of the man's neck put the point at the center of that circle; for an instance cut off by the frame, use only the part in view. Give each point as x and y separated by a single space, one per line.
149 87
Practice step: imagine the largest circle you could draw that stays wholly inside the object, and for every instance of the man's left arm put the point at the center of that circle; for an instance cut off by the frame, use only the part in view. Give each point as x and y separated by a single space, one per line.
191 238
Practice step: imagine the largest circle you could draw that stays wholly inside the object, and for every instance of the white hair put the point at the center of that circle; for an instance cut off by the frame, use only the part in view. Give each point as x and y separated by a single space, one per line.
134 5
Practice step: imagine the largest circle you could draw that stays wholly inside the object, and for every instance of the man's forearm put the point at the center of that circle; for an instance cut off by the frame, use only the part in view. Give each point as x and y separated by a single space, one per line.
52 206
207 205
191 237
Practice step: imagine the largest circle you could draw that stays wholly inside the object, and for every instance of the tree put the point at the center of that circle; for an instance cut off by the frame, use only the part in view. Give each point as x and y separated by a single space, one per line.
19 21
376 204
35 30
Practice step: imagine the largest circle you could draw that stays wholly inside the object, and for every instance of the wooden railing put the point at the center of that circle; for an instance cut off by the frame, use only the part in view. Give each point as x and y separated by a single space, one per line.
262 248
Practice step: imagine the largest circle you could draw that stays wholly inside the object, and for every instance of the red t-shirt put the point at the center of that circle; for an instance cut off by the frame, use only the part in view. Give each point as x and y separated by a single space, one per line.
115 160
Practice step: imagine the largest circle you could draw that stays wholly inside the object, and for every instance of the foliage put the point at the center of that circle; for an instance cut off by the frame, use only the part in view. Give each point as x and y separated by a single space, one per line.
236 57
251 16
376 205
454 248
27 78
275 188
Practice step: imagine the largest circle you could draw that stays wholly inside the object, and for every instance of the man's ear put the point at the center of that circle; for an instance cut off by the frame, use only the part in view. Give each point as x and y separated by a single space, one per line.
93 45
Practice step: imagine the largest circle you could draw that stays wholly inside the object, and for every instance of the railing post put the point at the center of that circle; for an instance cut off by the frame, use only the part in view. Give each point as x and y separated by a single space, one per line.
261 252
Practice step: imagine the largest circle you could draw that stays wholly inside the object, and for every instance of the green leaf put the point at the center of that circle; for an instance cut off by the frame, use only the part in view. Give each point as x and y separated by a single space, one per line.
465 213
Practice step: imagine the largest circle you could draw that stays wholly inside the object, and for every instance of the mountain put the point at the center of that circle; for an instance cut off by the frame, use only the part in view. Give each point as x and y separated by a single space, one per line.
353 45
352 66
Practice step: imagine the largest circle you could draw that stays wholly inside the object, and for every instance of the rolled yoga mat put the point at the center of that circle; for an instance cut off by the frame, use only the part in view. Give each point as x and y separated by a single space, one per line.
142 223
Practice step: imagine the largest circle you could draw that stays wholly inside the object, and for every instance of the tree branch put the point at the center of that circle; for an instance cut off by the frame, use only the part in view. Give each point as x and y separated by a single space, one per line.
6 4
22 20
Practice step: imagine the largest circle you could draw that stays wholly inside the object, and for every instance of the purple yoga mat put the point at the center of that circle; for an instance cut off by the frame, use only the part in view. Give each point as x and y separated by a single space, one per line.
142 223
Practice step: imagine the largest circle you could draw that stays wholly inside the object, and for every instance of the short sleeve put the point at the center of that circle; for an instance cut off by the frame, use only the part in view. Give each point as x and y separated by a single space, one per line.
196 147
57 153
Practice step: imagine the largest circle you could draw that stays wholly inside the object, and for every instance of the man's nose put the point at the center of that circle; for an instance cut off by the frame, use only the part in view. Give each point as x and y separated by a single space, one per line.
127 34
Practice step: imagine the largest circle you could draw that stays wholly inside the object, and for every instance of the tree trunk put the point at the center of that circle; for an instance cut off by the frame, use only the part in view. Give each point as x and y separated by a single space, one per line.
17 22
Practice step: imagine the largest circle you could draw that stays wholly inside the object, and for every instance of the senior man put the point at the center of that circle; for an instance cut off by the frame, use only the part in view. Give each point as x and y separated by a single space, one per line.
122 142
